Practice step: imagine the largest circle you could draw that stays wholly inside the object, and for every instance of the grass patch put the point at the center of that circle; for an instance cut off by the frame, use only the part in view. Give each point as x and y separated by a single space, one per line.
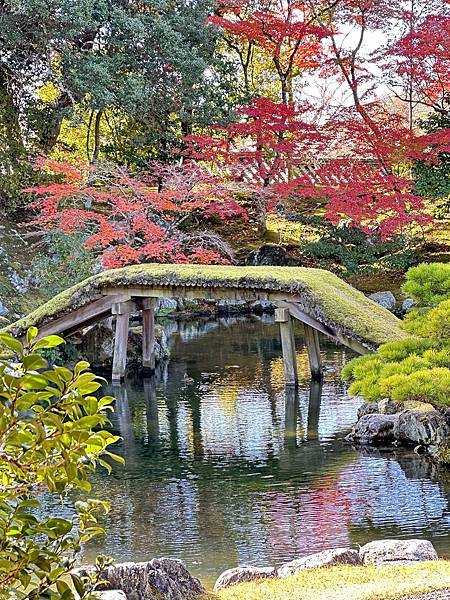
323 295
346 583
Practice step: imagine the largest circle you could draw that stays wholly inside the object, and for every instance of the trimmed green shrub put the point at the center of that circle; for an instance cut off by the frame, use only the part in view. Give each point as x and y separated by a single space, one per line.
428 283
418 368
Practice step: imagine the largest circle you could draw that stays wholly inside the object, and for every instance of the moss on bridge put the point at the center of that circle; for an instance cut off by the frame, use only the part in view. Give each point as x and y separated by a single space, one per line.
323 295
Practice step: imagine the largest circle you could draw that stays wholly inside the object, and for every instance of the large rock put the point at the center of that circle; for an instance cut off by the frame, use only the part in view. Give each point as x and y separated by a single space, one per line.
381 552
327 558
158 579
260 307
373 429
385 299
386 406
407 304
243 574
367 408
111 595
167 304
97 345
418 427
270 255
227 307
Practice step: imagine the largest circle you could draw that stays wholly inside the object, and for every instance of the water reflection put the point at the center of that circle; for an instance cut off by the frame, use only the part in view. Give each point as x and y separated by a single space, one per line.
224 466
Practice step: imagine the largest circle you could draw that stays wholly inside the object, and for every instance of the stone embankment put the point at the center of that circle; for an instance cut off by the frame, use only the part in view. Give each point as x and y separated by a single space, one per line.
165 578
415 425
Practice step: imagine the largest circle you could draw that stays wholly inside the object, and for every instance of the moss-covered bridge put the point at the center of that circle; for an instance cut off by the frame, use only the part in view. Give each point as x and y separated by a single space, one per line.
319 299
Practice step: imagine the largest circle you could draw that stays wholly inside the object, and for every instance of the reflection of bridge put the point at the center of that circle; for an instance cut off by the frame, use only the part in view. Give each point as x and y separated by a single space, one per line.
313 460
318 299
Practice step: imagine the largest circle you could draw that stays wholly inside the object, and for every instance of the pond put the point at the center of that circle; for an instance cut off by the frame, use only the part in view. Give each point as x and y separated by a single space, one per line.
225 467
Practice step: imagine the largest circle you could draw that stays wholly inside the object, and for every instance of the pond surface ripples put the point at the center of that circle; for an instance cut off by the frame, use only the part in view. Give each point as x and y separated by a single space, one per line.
226 467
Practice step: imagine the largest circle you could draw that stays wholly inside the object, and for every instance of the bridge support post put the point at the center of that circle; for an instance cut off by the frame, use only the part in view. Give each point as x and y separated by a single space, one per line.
122 312
283 317
313 347
148 334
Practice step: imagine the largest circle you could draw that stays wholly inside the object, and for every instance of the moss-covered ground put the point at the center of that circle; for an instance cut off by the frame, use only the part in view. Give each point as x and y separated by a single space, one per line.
346 583
323 294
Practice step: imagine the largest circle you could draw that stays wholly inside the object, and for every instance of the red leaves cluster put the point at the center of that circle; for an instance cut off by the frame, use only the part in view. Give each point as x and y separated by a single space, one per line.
285 30
128 219
357 174
422 56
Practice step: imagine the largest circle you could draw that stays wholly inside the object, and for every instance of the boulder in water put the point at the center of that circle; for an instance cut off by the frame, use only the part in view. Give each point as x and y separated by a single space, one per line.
373 429
426 428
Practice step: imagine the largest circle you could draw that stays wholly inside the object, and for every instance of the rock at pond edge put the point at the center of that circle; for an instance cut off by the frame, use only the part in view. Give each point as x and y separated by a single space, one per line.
242 575
381 552
327 558
373 429
157 579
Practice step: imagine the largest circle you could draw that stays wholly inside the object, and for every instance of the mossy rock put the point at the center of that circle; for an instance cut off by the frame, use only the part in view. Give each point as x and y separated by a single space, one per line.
324 296
416 405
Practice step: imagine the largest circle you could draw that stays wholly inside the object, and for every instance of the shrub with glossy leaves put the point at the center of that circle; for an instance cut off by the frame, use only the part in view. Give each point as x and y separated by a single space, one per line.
51 438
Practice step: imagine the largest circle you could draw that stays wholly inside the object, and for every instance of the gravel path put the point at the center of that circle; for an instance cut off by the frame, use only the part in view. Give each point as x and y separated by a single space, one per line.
441 595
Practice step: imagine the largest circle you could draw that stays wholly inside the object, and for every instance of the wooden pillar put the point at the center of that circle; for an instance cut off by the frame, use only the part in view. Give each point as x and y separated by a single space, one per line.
283 317
148 334
122 311
313 347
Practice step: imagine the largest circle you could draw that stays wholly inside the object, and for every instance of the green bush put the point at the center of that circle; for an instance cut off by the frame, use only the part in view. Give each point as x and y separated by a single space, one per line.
65 262
51 438
428 283
415 369
352 249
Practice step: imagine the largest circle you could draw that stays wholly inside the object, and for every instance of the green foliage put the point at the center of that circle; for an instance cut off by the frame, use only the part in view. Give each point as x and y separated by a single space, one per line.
148 72
65 262
351 249
428 283
415 369
432 180
51 438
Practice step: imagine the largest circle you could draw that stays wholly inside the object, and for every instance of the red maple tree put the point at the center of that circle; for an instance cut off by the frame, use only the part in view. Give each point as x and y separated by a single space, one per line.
255 154
286 30
362 156
129 219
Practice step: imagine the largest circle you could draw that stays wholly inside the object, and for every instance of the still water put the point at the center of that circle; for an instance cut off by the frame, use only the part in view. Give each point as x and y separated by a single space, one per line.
226 467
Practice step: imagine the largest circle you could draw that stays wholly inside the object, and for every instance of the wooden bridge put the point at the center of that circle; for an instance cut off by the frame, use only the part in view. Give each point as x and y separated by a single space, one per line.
321 301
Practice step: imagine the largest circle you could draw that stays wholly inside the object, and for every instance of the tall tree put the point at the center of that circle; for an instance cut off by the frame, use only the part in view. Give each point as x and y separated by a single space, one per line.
152 62
286 30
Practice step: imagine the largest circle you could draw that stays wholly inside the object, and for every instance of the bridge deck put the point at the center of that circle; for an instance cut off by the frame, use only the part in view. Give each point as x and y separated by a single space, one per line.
315 296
